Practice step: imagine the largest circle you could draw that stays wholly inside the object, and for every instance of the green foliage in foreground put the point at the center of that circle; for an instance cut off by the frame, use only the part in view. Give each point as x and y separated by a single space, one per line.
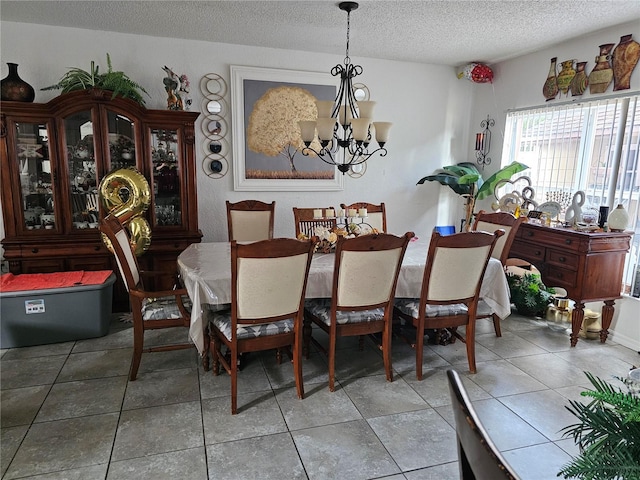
608 434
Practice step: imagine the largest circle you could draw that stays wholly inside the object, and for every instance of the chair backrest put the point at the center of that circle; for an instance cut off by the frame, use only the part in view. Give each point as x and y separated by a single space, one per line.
490 222
366 271
478 457
455 267
126 260
268 279
376 214
250 220
305 222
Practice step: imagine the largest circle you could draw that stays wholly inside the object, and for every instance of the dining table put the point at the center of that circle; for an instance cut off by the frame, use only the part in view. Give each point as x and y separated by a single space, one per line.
205 269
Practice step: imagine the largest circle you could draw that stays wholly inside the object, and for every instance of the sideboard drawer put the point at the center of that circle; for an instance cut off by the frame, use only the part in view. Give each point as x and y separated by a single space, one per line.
563 258
527 251
560 277
549 238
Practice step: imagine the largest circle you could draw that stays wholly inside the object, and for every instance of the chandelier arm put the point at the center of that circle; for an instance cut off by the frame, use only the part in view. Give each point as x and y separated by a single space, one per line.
306 151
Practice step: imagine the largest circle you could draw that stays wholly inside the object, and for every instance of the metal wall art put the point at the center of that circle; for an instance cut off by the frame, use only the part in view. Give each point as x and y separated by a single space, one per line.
214 125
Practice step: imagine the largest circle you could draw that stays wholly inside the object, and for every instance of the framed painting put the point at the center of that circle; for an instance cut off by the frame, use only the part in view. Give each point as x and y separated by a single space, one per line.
267 148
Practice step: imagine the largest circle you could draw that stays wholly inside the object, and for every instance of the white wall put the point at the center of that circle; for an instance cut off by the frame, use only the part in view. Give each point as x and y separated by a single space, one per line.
427 104
517 84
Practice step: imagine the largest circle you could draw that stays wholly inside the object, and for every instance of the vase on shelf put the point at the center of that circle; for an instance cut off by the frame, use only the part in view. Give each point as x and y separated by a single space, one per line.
580 81
565 76
624 59
550 87
618 219
602 74
14 89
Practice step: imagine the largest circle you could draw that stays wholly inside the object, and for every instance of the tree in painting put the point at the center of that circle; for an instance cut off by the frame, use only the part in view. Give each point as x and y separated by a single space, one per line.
273 123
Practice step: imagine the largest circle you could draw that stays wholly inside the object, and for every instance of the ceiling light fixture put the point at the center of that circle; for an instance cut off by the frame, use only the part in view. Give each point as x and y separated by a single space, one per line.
344 124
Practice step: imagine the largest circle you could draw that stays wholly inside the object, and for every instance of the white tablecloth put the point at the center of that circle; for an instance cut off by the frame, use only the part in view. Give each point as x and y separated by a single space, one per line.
206 272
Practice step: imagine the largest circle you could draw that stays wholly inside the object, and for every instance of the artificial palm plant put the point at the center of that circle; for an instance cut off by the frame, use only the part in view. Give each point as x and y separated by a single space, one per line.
465 179
116 81
608 434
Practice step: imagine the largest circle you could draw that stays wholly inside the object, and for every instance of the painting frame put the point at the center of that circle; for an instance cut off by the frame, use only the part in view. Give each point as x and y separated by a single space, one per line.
239 127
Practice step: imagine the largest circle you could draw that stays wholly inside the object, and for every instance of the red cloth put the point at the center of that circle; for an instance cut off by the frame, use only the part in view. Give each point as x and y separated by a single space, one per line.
38 281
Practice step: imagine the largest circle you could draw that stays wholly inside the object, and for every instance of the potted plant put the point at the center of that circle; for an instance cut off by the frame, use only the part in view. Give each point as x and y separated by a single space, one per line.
117 82
608 433
530 296
465 179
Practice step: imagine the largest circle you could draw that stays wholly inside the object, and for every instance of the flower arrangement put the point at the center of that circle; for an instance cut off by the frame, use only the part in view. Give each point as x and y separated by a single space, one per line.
328 237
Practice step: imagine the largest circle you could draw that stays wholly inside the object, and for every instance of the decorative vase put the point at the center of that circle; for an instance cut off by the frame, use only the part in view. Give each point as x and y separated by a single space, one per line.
15 89
550 87
618 219
565 76
602 74
580 81
625 58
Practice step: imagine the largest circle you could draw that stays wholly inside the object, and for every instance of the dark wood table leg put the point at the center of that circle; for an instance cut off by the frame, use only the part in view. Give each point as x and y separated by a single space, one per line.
607 316
205 352
576 322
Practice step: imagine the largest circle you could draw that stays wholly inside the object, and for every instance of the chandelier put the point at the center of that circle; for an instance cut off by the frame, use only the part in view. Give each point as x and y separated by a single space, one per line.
344 124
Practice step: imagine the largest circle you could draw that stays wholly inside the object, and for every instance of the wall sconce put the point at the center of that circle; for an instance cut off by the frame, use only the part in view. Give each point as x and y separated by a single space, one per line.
483 142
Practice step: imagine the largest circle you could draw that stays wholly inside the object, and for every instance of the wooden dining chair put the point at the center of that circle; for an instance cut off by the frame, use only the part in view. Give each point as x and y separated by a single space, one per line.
268 282
305 223
451 284
151 310
364 283
376 214
490 222
478 457
250 220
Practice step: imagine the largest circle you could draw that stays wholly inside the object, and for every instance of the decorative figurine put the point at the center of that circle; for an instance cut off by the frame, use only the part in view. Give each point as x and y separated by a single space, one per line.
177 88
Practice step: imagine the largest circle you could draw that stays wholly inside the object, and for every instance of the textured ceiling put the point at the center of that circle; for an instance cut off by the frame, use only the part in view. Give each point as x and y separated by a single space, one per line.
445 32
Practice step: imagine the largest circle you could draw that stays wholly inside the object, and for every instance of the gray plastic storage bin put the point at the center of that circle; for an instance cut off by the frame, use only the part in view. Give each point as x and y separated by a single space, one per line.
37 317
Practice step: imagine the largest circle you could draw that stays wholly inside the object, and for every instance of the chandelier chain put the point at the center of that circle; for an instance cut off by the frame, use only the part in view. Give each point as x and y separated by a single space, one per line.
347 59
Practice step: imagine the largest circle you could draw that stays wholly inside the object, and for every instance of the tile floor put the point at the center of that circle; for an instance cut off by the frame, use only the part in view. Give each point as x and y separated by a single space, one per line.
69 412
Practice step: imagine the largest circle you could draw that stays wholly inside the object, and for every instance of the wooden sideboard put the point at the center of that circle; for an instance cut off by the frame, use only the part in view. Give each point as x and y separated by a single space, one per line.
589 266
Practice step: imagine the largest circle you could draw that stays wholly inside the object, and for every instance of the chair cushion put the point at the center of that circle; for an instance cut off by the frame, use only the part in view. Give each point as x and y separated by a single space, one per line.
410 306
163 307
222 321
321 309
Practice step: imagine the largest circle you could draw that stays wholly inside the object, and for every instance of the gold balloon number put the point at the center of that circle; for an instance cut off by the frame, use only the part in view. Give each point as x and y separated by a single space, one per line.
126 194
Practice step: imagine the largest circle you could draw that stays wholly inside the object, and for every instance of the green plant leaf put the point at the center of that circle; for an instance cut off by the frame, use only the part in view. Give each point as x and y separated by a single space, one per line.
504 173
449 180
117 82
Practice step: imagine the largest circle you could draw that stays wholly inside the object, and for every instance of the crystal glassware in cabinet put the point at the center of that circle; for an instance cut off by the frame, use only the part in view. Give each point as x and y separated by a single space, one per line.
83 175
122 144
36 185
165 149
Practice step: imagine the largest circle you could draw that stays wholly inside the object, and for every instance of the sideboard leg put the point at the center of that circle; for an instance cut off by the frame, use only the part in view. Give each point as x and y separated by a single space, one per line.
576 322
607 316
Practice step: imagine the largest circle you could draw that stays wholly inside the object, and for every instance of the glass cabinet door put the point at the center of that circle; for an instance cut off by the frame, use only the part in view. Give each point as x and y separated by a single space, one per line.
122 145
83 175
36 182
166 177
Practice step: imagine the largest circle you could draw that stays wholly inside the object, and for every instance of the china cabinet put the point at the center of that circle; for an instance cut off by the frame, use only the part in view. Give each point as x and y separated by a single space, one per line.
53 157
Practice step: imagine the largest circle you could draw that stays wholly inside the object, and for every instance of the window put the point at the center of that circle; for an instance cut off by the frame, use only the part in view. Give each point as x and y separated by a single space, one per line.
591 146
